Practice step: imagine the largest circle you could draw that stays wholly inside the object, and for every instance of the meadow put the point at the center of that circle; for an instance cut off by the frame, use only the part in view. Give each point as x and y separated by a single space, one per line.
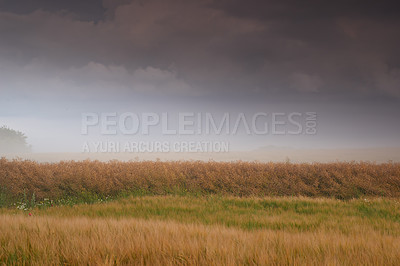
202 213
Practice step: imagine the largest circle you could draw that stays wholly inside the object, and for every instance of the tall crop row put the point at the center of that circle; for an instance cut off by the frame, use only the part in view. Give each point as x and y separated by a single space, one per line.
71 178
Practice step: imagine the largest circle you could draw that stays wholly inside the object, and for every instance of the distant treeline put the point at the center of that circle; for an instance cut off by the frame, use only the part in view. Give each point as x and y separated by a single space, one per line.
13 141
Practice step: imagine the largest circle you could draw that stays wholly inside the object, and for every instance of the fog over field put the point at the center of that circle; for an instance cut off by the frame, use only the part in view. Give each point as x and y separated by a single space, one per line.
378 155
273 62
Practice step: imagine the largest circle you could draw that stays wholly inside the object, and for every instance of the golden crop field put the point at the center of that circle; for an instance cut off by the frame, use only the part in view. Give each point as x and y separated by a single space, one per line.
341 180
199 213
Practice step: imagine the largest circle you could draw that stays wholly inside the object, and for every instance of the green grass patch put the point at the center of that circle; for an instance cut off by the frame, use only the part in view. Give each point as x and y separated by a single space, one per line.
290 214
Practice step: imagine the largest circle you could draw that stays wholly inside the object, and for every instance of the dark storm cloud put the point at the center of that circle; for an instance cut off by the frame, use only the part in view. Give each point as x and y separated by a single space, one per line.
85 10
309 9
280 49
338 58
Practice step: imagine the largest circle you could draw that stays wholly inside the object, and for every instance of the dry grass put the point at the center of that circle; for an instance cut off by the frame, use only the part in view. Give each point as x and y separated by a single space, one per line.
200 213
65 179
51 240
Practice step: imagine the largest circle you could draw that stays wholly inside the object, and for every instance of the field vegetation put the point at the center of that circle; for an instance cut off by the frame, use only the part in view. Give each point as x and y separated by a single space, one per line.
90 181
205 230
201 213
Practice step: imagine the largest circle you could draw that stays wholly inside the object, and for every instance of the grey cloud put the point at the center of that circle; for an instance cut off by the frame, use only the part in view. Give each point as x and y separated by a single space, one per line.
84 10
39 80
306 83
388 80
339 58
217 47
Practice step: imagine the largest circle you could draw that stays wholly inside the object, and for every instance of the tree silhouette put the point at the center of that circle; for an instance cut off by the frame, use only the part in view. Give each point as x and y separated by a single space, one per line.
12 141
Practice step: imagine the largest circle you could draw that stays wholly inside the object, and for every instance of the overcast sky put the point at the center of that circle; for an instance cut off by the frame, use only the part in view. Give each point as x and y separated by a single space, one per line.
337 58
